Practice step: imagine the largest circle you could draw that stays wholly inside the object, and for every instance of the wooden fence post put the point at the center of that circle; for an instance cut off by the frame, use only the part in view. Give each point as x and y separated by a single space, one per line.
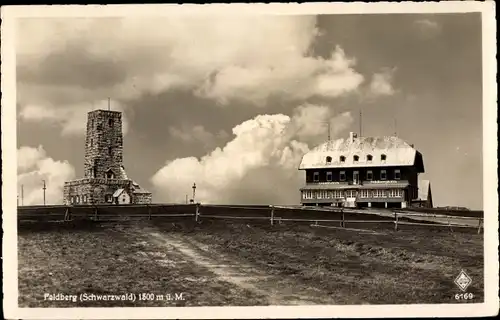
95 214
197 213
395 221
342 224
149 212
449 225
66 214
272 215
479 226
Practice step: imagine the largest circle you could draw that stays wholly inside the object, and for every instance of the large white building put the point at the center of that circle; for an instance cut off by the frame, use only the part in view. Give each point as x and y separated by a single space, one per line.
362 172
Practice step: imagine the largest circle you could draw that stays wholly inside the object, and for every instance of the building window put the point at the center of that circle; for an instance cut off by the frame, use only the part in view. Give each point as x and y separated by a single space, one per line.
99 126
110 174
342 176
383 174
321 194
355 176
379 193
383 157
91 142
328 159
342 159
306 194
110 122
338 194
369 175
397 174
329 176
108 198
395 193
369 157
356 158
77 199
350 193
316 176
364 193
110 150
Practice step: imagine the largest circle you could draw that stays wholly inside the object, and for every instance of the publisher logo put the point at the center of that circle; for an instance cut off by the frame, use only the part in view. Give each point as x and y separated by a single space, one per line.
463 280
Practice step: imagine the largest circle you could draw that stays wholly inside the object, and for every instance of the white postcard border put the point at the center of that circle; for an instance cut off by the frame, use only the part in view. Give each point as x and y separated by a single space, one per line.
490 181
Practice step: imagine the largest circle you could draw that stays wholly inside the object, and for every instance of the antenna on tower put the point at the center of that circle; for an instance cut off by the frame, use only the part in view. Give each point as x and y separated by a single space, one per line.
109 107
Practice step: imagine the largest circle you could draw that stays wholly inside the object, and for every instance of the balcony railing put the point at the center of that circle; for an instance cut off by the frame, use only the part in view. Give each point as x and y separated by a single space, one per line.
359 182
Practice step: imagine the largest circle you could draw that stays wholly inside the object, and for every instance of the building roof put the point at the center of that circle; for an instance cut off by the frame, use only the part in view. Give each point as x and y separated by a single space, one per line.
397 153
118 192
424 187
136 188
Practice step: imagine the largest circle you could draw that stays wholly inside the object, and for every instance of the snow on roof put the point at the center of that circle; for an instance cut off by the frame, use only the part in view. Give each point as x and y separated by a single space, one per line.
136 188
118 192
123 173
370 152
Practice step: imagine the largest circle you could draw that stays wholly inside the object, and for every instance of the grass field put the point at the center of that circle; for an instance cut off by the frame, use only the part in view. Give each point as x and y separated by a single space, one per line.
218 263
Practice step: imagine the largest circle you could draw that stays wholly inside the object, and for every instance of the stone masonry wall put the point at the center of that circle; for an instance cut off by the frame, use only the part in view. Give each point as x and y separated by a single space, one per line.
104 144
95 190
142 198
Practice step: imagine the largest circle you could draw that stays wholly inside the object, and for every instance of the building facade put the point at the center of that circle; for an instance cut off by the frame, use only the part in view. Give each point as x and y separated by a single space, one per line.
362 172
104 173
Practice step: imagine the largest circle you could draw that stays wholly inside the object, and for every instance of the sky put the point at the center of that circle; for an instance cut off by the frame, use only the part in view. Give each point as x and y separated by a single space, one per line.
233 102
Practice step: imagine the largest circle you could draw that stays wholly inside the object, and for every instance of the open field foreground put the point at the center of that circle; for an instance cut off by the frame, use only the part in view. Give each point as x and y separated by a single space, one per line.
219 263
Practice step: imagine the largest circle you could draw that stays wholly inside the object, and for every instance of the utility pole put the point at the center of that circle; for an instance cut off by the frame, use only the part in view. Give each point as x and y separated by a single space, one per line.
44 188
329 130
186 199
109 104
22 195
360 122
194 191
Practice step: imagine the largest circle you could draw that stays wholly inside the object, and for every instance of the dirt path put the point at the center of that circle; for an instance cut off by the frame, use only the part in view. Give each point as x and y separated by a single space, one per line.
274 289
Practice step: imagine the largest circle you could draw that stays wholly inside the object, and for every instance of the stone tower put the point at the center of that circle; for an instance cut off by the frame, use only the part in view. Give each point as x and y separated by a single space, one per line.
105 179
104 145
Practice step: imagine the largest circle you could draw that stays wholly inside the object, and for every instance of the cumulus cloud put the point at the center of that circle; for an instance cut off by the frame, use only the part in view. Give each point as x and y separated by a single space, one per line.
263 147
64 64
71 119
381 83
33 166
197 134
294 77
427 27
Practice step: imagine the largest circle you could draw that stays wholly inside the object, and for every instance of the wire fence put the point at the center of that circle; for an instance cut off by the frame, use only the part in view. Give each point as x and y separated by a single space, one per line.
274 214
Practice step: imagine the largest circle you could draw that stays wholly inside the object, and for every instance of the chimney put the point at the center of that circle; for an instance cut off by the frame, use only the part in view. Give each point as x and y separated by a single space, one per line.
352 136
